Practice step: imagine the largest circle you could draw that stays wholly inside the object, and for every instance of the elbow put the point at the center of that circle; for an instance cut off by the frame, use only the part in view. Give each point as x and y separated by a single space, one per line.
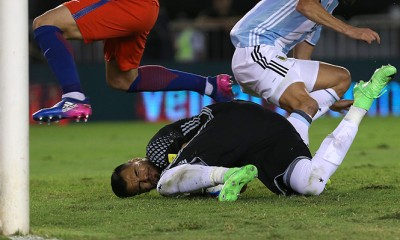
302 7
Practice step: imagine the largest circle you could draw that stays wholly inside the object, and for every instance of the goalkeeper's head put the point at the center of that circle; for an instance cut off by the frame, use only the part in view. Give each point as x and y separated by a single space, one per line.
136 176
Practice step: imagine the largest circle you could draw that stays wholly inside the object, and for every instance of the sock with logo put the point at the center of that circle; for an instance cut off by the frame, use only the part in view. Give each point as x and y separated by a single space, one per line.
158 78
58 53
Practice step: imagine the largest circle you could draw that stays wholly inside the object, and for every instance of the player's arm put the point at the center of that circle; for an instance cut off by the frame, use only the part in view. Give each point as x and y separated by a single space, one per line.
314 11
178 133
303 51
166 143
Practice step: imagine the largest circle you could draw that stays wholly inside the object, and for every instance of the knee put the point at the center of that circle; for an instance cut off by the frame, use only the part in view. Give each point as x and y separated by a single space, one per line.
301 178
343 77
117 83
38 22
310 188
117 79
44 20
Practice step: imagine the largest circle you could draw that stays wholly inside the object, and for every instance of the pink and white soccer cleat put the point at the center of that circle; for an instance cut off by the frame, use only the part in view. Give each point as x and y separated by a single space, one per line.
222 91
67 108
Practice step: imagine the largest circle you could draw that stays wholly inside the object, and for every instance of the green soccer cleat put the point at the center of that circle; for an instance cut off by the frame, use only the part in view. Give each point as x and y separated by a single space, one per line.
328 183
235 179
366 92
230 172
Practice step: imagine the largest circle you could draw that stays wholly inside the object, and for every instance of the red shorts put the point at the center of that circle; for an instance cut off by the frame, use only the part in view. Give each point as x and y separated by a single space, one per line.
122 24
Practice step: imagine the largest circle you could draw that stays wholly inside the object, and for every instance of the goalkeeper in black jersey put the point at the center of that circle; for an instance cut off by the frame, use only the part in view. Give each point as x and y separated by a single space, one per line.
232 143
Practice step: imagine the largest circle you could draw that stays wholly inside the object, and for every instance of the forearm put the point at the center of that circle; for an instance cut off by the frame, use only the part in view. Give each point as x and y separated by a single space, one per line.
314 11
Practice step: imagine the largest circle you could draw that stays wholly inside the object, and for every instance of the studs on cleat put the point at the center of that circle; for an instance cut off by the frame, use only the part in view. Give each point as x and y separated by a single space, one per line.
58 118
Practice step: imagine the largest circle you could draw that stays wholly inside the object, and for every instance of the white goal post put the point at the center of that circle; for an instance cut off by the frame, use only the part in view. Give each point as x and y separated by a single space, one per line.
14 119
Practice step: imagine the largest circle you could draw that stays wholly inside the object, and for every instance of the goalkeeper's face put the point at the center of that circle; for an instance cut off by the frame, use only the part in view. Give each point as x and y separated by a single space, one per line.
141 176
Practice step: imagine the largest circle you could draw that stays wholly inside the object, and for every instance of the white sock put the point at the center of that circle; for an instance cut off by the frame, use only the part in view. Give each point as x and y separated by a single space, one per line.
217 174
325 98
209 88
335 147
301 121
355 115
75 95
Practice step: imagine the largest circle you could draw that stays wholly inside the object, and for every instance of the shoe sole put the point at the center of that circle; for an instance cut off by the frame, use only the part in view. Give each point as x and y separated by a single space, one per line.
224 91
380 83
386 74
84 115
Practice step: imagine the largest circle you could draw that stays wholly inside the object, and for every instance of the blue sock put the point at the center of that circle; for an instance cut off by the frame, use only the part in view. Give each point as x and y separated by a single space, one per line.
58 53
158 78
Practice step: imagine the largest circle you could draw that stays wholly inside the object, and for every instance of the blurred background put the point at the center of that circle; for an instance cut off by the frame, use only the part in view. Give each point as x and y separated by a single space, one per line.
193 36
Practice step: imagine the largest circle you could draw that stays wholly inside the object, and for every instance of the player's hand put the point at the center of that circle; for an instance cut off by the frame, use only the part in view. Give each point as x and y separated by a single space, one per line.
363 34
341 105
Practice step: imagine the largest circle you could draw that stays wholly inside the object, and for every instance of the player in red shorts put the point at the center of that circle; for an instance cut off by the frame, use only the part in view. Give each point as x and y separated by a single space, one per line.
123 25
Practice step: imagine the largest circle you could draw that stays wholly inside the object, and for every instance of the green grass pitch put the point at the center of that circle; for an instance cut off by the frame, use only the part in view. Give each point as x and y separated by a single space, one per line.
71 198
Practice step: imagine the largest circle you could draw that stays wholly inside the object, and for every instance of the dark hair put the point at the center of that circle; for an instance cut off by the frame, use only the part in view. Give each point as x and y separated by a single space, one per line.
118 183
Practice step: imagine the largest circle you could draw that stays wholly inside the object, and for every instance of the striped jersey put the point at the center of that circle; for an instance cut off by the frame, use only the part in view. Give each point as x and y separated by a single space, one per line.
171 138
277 23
